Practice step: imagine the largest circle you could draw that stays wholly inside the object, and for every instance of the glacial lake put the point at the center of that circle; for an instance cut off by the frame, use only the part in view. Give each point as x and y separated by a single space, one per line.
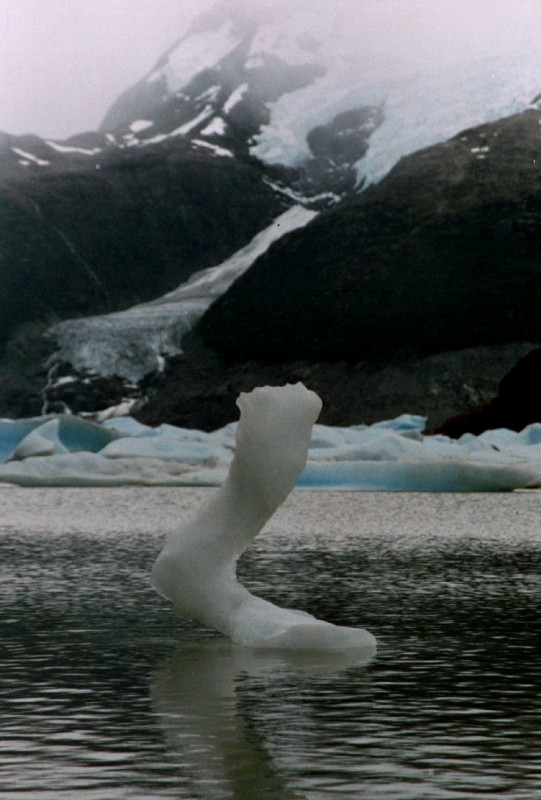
104 695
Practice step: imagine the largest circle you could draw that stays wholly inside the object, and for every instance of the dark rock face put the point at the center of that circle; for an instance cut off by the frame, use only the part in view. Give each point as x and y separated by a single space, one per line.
23 371
336 148
233 90
199 388
442 254
228 104
516 405
89 240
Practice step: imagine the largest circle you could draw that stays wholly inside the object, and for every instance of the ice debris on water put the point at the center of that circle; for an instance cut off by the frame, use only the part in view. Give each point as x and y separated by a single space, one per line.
394 455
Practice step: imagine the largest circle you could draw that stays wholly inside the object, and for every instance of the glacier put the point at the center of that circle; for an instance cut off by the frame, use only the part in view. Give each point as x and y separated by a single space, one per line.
134 342
435 72
393 455
419 110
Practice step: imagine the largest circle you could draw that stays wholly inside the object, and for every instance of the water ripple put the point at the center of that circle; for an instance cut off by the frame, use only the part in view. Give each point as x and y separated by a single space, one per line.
104 695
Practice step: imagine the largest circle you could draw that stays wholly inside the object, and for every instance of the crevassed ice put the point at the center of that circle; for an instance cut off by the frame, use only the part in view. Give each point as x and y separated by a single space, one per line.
419 110
133 342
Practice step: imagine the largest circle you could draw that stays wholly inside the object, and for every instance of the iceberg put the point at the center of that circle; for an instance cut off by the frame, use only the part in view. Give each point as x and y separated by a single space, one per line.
392 455
196 569
47 435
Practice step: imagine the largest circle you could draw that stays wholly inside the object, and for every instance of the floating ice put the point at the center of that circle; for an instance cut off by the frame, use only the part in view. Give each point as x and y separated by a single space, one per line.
393 455
54 434
196 570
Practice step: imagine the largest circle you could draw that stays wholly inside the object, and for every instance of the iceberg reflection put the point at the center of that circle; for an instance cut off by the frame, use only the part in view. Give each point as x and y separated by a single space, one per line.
197 697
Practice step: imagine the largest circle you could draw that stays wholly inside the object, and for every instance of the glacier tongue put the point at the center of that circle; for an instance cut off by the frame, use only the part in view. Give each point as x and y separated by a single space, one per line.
419 110
134 342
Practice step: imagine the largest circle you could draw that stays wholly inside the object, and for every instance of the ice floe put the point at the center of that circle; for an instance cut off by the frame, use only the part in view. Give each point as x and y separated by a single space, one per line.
394 455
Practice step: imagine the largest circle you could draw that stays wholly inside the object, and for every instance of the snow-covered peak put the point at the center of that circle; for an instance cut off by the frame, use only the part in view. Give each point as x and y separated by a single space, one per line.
194 53
259 78
289 43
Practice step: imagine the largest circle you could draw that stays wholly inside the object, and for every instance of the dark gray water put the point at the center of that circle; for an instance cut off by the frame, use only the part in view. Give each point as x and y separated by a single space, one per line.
104 695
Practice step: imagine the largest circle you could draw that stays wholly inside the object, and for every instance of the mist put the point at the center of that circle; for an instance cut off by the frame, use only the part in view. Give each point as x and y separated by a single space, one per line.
64 62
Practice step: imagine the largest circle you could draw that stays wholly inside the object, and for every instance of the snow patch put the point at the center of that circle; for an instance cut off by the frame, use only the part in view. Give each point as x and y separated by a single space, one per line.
235 98
139 125
219 151
210 94
216 127
194 53
30 157
193 123
288 43
419 111
66 148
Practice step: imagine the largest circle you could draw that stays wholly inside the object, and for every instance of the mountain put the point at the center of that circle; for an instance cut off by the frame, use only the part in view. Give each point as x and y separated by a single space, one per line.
335 208
442 254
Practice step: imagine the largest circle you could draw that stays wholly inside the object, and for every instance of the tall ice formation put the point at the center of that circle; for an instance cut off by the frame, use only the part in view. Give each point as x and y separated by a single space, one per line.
196 570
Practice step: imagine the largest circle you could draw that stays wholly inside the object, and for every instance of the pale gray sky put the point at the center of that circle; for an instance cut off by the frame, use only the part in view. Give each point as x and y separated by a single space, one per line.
64 62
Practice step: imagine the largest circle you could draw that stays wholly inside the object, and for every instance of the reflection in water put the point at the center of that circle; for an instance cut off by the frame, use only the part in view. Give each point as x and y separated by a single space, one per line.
198 699
449 709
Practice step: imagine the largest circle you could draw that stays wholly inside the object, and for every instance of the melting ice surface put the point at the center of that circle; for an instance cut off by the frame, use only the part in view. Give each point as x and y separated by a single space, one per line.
62 450
196 570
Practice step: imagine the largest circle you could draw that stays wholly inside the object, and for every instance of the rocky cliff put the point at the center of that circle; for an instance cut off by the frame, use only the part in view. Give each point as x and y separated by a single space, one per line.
442 254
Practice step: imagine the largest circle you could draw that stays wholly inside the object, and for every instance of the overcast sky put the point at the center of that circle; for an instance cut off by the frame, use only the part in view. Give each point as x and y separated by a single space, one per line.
64 62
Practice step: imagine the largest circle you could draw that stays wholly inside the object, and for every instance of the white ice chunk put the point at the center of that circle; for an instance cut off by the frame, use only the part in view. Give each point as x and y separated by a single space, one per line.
196 569
92 469
388 456
429 475
159 447
20 438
